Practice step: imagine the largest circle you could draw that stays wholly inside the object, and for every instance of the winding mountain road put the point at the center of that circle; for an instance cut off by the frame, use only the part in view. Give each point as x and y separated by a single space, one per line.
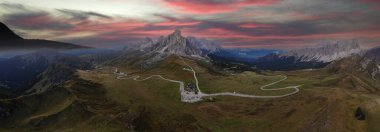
191 97
296 90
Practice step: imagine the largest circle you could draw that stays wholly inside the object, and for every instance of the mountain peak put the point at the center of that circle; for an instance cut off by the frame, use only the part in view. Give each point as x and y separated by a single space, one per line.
176 32
7 34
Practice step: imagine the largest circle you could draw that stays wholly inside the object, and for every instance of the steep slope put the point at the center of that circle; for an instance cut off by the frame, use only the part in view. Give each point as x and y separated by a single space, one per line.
10 41
373 54
18 73
361 71
371 62
21 73
53 76
358 73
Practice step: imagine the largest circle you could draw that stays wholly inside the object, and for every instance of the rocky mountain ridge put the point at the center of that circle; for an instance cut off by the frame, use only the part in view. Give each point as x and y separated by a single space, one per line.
176 44
327 52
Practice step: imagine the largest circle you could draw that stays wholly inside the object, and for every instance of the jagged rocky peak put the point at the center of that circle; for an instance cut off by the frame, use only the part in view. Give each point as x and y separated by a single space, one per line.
326 52
175 38
177 32
175 43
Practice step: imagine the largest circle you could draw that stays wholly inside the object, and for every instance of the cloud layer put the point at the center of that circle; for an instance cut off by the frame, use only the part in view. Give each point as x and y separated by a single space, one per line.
232 23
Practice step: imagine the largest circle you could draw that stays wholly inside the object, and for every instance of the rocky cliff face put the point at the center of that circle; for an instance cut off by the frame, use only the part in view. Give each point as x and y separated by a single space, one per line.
328 52
175 43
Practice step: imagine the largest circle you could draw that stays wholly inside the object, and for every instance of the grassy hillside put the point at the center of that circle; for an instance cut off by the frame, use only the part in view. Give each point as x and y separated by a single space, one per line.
97 101
320 106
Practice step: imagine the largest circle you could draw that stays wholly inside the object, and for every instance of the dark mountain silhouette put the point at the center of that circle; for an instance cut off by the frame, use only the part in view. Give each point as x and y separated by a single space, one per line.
20 73
9 40
7 34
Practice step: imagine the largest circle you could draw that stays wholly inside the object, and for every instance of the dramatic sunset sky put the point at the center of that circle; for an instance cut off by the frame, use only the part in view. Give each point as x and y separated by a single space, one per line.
281 24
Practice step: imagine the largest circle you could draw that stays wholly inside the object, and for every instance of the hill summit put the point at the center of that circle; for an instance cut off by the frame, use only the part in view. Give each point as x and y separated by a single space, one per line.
11 41
7 34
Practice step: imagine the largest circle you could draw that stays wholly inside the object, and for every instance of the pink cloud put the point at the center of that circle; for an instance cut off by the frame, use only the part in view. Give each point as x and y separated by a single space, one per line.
214 6
112 26
175 23
254 25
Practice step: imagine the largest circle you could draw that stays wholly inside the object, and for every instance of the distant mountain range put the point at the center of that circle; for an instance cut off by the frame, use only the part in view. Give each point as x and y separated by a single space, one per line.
148 52
326 52
10 41
309 57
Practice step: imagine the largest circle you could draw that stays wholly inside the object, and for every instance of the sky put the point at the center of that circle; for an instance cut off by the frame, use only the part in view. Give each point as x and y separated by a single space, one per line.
269 24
